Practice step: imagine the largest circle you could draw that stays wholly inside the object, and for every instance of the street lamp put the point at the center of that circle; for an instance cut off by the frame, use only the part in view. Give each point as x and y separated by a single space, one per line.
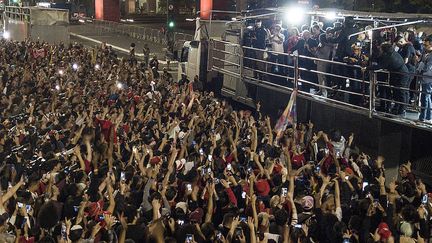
171 24
170 14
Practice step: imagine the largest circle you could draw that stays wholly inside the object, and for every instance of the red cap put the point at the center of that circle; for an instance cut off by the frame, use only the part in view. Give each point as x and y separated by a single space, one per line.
349 171
384 231
155 160
96 208
197 215
262 187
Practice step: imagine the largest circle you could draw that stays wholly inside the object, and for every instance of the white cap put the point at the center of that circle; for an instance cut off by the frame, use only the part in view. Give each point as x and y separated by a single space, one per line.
76 227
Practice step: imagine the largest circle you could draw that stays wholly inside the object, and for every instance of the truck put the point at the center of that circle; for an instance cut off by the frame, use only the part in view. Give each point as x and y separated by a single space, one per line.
199 58
216 57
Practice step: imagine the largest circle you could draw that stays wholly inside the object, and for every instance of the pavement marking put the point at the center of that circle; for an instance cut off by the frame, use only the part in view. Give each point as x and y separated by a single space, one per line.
116 47
100 42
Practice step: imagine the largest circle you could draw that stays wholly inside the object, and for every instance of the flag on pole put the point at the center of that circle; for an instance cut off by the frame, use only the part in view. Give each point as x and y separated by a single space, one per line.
191 89
289 116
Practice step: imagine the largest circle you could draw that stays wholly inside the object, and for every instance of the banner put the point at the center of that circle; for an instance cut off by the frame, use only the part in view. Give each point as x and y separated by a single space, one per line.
39 53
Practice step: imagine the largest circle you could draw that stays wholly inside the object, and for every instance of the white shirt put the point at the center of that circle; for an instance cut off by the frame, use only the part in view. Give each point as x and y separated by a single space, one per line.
339 147
277 41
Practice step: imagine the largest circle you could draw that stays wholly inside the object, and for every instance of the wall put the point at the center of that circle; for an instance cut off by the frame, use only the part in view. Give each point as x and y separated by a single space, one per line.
51 34
18 30
107 10
396 142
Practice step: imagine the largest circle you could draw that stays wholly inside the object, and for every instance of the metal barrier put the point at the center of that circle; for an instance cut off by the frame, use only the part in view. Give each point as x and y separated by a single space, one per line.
157 36
422 168
360 89
390 91
17 13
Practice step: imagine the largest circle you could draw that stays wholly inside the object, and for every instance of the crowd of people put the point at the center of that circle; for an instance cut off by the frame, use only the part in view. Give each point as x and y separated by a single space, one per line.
94 148
403 52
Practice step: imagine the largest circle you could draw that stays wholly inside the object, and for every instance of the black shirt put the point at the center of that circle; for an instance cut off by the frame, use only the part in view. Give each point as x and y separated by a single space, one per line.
408 51
302 49
393 62
260 38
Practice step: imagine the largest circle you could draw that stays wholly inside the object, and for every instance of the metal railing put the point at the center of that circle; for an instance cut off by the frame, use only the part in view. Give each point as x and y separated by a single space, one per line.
376 93
17 13
157 36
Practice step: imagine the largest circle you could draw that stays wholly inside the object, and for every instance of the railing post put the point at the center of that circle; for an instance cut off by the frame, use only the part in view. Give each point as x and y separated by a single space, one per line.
296 71
372 92
241 61
241 52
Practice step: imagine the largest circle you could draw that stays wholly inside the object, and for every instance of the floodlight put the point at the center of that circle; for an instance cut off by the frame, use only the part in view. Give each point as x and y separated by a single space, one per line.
6 35
295 15
330 15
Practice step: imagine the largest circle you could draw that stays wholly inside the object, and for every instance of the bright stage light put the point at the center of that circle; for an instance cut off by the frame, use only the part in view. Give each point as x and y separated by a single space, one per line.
6 35
295 15
330 15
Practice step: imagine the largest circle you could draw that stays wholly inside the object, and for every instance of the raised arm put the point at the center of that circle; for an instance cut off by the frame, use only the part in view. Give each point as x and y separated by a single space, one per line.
209 214
77 152
112 203
77 135
254 144
251 225
269 131
337 200
89 150
11 192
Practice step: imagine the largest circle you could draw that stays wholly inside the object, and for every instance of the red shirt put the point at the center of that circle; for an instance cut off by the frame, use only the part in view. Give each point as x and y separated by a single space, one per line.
106 128
87 166
292 41
298 160
262 187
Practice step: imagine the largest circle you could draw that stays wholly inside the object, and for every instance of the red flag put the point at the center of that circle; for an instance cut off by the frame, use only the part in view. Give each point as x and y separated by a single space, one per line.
289 116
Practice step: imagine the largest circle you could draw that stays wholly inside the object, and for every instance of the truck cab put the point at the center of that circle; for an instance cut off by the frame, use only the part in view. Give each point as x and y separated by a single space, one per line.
199 58
190 59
